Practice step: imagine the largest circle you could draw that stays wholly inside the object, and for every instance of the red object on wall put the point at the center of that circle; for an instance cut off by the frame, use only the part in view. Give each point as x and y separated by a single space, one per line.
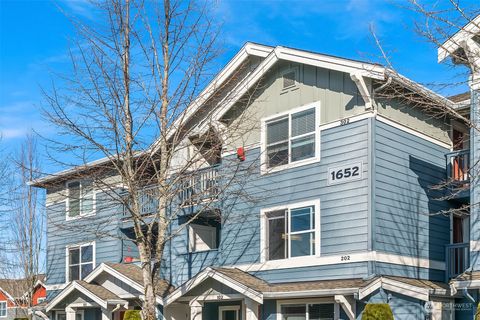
128 259
241 154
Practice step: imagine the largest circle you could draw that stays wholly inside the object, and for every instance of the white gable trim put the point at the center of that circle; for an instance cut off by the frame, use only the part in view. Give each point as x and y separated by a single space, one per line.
9 296
210 273
107 269
454 42
397 287
76 286
249 49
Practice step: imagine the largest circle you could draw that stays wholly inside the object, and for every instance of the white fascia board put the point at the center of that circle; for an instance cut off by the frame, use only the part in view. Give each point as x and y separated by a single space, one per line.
395 286
469 284
416 87
309 293
65 292
329 62
9 296
106 268
241 56
372 287
210 273
454 42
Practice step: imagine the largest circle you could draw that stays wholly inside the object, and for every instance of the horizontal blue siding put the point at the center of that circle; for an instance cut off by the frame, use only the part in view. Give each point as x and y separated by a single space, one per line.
406 208
343 209
101 228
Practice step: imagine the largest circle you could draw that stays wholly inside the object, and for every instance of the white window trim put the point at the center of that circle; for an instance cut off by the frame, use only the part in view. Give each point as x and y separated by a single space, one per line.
328 300
79 245
228 308
190 234
67 202
263 135
263 228
6 308
59 313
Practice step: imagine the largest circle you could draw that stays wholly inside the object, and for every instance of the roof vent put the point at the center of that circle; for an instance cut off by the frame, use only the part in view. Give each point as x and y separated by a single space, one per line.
288 79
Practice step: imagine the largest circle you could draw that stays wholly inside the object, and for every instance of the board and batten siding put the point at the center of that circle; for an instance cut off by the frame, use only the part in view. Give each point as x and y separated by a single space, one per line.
407 220
343 212
101 228
337 93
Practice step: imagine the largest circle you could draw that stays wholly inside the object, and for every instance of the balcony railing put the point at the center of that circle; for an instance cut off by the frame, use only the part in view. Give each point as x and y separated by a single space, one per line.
457 258
194 188
148 200
199 186
458 167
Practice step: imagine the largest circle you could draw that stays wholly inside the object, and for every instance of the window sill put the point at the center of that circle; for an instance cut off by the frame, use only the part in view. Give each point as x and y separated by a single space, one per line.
203 251
80 216
265 171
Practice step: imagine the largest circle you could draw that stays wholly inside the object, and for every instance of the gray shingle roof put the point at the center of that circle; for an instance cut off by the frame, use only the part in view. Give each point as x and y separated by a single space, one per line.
99 291
134 273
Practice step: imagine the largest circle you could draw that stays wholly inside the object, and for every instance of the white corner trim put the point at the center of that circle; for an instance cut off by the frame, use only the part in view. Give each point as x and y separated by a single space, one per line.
413 132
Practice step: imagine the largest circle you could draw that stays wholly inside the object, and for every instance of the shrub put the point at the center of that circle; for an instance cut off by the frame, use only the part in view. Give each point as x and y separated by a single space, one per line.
477 314
20 319
132 315
377 311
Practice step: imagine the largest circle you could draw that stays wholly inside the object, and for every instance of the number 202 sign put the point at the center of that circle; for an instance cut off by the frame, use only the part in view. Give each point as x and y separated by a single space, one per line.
345 173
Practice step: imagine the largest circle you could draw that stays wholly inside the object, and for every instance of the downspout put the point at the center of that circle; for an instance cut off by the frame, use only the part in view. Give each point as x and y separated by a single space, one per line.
383 86
467 295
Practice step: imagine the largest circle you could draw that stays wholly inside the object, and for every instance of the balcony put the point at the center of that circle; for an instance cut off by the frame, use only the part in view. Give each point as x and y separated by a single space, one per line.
194 188
148 200
199 186
457 258
458 173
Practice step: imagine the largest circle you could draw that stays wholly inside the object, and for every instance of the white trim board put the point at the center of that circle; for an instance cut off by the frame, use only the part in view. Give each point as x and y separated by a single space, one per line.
367 256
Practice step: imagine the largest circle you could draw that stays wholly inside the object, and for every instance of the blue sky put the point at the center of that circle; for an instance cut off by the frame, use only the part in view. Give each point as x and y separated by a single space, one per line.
34 44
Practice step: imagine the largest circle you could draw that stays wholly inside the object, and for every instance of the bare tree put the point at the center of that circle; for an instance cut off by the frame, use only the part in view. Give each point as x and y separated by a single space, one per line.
24 227
136 73
436 23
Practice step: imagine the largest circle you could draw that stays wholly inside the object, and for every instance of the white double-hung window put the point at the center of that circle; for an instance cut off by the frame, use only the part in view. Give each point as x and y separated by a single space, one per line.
291 138
80 261
290 231
80 199
3 309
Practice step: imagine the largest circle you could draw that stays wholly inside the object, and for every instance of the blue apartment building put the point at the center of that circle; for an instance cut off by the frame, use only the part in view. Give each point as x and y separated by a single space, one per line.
349 209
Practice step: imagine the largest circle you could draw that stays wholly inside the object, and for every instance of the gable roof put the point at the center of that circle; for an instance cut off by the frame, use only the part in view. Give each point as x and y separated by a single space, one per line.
454 43
95 292
131 274
258 289
357 69
17 288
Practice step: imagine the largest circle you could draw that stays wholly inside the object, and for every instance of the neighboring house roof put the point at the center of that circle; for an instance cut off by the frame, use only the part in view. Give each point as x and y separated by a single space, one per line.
270 55
17 288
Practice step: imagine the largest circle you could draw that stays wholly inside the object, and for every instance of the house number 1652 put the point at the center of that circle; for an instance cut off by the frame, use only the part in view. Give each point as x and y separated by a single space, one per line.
345 173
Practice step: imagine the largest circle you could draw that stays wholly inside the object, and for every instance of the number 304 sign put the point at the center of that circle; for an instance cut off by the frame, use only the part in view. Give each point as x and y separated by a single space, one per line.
345 173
